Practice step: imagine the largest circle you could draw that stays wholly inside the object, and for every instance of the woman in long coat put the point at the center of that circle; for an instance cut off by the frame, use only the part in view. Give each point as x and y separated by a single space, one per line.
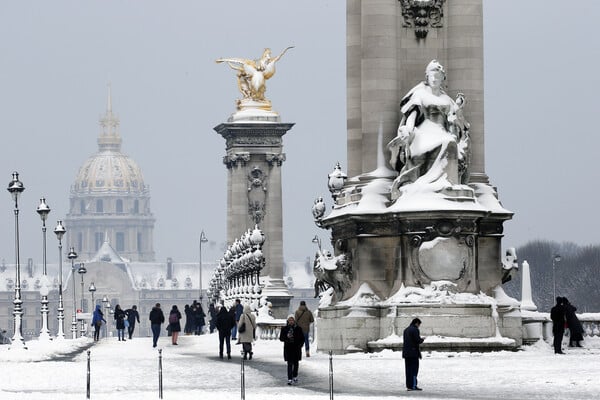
120 319
293 339
575 327
174 325
247 336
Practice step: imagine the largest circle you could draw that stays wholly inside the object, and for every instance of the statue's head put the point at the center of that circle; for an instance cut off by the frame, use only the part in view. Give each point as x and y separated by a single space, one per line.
435 74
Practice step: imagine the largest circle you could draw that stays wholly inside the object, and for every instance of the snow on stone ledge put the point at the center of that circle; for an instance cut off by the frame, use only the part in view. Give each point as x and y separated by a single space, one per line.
363 297
439 292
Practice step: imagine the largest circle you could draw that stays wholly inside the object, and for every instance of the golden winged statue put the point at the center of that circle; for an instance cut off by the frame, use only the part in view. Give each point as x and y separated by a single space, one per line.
253 74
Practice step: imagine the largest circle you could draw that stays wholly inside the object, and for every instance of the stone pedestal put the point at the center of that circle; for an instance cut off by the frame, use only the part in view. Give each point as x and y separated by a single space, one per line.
254 156
447 327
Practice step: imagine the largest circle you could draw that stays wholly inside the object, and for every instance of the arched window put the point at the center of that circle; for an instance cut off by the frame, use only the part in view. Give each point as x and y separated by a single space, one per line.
81 206
99 206
119 206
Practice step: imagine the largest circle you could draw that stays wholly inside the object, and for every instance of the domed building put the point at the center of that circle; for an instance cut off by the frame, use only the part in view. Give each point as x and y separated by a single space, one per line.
109 201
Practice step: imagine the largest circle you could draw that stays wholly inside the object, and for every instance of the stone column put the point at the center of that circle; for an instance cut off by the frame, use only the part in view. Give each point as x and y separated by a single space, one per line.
254 156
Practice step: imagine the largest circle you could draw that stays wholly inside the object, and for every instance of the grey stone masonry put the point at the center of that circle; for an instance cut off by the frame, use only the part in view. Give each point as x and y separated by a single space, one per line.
254 156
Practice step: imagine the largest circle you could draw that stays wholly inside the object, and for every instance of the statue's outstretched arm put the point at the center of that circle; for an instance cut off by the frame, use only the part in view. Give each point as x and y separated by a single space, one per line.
282 53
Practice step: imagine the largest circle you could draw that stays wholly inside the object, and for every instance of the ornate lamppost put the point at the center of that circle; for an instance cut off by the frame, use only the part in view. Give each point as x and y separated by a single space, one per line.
72 256
106 304
555 259
60 232
15 188
203 239
43 210
92 289
82 271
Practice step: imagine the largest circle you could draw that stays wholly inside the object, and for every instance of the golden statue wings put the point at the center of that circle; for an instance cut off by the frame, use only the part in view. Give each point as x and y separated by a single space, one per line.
253 74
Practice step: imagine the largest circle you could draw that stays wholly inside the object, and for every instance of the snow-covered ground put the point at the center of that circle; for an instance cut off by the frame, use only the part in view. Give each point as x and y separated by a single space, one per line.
193 370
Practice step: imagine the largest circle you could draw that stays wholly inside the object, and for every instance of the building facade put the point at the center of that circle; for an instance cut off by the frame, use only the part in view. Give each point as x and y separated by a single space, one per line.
110 201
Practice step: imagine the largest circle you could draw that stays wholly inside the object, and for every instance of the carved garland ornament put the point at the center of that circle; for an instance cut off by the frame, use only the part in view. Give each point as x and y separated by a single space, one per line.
422 14
257 194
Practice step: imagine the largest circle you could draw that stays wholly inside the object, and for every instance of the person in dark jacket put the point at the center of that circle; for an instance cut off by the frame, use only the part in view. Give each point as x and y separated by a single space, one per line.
132 316
97 319
174 325
237 311
187 329
156 319
575 327
199 315
120 319
224 322
212 312
411 352
557 315
293 339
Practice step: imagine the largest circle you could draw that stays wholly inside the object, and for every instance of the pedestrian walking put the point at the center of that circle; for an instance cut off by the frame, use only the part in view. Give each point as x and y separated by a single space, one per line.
132 317
189 318
292 337
557 315
174 325
573 323
224 322
120 320
304 317
157 318
97 319
246 328
411 352
212 312
199 317
237 311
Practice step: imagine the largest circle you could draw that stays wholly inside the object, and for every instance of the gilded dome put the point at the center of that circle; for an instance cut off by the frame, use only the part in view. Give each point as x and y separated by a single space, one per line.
109 171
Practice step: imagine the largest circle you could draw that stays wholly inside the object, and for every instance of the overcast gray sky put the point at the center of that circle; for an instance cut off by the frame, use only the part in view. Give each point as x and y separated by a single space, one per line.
541 82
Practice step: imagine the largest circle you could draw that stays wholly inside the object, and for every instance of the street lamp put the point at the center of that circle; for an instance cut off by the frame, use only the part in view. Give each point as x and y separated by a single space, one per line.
203 239
555 259
60 232
92 289
15 188
106 304
317 240
43 210
72 256
82 271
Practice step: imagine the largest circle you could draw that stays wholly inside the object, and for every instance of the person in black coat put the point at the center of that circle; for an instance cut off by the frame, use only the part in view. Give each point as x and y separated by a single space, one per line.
411 352
224 322
174 324
212 312
557 315
156 319
132 316
120 318
189 317
293 339
575 327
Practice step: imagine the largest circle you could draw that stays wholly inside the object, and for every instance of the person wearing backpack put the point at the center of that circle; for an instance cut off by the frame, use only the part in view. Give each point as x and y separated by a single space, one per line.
174 325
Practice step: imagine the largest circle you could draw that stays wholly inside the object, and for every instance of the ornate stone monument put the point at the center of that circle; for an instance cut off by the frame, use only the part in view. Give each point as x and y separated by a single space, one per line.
415 231
254 156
